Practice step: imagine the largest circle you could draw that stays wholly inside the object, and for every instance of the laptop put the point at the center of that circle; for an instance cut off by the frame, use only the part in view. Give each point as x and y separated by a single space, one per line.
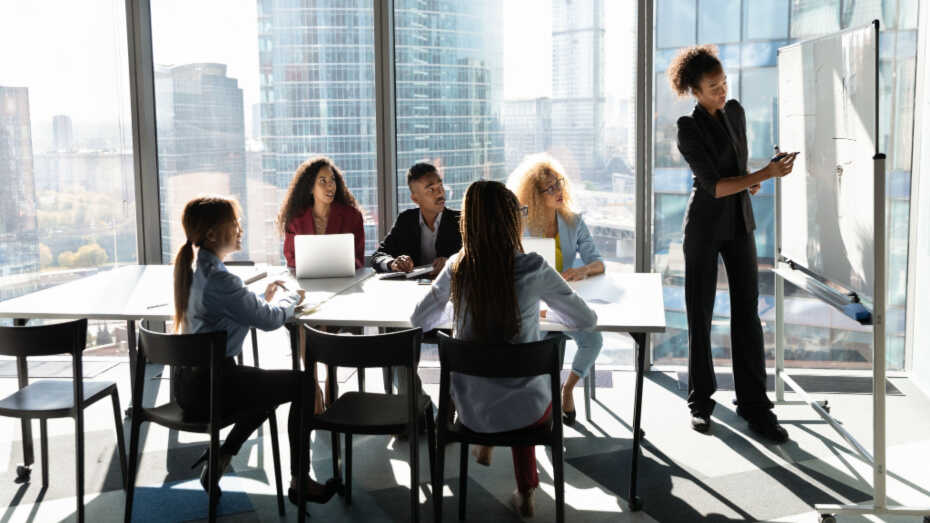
545 247
324 255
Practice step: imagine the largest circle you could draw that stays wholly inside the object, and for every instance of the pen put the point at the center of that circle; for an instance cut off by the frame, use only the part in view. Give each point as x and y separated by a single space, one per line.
157 305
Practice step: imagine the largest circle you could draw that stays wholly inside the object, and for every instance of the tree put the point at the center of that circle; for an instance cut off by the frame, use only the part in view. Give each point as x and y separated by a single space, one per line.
66 259
45 256
90 255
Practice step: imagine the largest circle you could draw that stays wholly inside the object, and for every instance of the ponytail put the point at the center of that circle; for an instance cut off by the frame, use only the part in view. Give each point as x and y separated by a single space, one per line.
183 276
200 216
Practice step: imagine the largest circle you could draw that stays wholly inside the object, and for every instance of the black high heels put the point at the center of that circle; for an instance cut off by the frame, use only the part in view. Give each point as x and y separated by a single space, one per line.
223 462
329 489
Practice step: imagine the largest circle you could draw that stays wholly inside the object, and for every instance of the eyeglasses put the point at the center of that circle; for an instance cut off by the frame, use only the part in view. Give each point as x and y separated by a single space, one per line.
554 188
524 210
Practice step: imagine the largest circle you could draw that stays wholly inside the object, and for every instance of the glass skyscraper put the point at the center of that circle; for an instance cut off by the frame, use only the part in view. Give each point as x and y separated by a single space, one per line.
201 142
19 244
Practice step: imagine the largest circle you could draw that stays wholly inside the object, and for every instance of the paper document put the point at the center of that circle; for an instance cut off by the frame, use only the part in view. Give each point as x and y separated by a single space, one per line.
597 290
422 270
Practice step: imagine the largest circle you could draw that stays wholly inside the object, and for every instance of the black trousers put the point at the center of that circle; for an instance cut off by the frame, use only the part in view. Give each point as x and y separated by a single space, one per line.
246 390
748 350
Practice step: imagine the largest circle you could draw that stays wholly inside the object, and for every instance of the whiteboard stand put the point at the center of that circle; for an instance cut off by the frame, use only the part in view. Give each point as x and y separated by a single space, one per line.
785 270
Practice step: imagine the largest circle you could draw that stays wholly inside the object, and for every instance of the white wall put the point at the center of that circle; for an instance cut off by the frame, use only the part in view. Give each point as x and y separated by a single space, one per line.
919 309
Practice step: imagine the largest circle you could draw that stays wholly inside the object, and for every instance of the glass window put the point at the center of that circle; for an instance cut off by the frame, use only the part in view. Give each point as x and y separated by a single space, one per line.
675 22
817 334
482 84
241 100
765 19
715 21
66 166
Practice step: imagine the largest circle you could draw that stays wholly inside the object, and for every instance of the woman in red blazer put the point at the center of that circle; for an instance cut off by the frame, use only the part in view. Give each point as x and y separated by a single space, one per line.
318 202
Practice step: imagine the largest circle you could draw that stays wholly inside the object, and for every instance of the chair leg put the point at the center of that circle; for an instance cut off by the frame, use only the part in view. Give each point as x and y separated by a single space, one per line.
559 473
120 439
213 464
133 464
254 348
79 463
43 448
361 378
588 394
463 479
438 471
414 471
276 456
593 382
431 438
348 466
337 473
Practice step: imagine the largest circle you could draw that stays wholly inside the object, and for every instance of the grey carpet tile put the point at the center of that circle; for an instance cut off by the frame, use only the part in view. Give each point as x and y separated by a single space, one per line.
811 383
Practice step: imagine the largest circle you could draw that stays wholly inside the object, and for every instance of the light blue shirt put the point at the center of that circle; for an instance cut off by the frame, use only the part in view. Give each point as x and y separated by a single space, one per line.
502 404
575 239
219 301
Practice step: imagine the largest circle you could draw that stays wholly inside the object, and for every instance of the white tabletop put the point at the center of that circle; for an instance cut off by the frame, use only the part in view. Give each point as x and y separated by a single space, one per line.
145 292
624 302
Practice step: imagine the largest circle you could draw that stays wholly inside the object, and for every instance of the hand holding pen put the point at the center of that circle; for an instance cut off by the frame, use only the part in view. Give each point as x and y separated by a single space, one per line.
279 284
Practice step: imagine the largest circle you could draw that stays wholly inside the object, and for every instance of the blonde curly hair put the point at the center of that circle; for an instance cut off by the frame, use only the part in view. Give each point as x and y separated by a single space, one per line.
528 181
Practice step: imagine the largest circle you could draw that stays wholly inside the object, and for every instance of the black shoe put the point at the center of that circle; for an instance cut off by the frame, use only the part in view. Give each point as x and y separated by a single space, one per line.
568 417
223 462
766 425
700 422
330 488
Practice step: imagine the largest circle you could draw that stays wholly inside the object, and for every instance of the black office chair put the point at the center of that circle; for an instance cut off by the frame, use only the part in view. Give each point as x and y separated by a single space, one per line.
206 349
54 398
367 412
498 361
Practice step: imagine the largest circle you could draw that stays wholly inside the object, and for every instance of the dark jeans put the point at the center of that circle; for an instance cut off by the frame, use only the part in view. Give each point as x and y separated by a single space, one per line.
245 390
748 351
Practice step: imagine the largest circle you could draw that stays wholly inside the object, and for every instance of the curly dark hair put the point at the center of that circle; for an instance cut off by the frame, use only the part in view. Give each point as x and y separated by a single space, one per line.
299 196
690 64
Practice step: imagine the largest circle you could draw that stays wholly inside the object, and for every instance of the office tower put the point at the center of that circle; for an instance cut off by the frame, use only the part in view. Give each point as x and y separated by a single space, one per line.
317 71
201 142
527 129
19 245
62 133
578 97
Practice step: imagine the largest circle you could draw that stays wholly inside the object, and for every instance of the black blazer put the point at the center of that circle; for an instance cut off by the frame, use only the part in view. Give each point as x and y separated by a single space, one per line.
715 149
404 238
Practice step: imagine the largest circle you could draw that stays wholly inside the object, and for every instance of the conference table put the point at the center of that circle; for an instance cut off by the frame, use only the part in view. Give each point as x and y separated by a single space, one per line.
625 302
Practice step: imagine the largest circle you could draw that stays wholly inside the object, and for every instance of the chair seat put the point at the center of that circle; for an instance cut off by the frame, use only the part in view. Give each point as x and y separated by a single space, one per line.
171 415
540 435
368 413
51 398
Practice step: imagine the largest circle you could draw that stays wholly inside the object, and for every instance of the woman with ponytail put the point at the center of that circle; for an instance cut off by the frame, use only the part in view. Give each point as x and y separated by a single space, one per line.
208 298
495 291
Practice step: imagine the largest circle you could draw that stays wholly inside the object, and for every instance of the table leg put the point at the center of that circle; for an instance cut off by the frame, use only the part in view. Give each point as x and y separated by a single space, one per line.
640 338
22 375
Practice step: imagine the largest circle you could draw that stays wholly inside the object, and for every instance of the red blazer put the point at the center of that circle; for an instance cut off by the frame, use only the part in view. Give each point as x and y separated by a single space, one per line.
342 219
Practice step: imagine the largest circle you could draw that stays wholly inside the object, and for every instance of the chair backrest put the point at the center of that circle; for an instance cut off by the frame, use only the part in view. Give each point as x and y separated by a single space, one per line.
44 340
400 348
501 360
183 350
239 263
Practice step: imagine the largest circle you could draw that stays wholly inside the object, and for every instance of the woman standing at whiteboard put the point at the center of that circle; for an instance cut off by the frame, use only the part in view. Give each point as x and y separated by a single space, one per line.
719 222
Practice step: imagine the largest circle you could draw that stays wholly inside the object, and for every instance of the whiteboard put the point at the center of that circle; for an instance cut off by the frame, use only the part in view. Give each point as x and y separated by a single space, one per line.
827 110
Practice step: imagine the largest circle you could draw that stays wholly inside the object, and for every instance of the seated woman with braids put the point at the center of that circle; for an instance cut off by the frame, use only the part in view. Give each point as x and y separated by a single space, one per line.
478 281
208 298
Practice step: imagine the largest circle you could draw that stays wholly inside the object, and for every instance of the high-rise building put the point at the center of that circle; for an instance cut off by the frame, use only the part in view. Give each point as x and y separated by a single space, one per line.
317 92
578 99
19 244
527 128
201 140
62 133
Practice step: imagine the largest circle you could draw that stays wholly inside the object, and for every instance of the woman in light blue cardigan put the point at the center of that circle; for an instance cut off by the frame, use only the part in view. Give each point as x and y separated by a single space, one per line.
476 283
540 185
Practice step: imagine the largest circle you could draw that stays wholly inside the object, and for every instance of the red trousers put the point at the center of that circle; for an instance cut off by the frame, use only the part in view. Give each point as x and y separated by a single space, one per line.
524 459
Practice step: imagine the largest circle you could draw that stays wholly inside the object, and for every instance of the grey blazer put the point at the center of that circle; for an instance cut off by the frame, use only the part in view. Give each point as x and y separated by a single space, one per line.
715 149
